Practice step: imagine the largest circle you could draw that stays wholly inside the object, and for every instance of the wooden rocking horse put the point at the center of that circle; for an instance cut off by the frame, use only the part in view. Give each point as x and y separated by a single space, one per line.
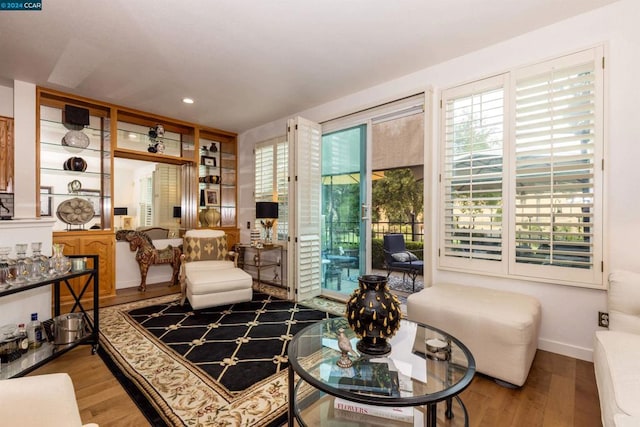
147 255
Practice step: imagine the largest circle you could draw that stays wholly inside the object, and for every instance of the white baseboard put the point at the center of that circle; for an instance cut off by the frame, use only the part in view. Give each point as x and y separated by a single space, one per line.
565 349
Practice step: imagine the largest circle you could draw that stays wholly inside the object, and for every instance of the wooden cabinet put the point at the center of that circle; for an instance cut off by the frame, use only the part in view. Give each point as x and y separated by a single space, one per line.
6 154
94 242
233 237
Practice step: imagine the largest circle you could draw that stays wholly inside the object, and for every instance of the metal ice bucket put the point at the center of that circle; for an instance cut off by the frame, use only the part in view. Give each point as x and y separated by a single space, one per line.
68 328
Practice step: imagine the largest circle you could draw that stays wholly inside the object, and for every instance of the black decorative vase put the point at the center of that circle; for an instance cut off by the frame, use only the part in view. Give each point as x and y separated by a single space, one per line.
374 314
77 164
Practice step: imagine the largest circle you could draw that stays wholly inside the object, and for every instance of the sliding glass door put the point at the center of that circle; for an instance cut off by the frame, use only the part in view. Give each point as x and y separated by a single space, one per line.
372 184
343 213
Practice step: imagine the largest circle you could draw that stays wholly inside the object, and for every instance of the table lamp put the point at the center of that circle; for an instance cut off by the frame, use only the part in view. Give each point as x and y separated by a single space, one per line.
267 212
120 212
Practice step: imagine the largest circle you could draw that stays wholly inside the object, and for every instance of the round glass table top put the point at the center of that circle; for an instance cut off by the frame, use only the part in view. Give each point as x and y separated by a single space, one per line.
425 365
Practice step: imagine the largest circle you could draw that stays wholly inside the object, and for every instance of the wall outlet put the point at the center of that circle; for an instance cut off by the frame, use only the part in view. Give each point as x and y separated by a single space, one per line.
248 225
603 319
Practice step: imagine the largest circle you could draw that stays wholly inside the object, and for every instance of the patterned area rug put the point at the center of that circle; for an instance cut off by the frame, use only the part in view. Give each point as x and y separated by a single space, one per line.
208 371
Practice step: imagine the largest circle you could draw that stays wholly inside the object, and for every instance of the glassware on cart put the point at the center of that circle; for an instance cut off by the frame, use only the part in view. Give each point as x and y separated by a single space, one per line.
23 264
7 268
40 263
59 263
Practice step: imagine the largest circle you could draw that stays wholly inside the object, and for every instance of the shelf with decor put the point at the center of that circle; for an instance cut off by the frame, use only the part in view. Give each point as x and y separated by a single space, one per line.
216 182
147 137
166 148
74 163
74 159
32 358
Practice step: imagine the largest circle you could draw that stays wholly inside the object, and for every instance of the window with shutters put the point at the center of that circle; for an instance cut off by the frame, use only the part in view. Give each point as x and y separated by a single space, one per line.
167 182
521 182
146 202
271 179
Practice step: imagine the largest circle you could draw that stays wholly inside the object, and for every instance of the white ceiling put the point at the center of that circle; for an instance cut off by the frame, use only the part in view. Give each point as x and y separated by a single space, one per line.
248 62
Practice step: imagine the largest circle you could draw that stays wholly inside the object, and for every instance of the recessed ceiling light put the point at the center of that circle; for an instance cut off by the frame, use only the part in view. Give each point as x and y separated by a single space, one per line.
187 100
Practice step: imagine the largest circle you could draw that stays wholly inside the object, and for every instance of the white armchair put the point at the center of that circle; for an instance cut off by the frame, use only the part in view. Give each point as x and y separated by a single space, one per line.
209 274
40 400
616 353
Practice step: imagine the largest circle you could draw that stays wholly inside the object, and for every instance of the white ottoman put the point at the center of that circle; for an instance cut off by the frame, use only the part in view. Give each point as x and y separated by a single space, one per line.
213 286
500 328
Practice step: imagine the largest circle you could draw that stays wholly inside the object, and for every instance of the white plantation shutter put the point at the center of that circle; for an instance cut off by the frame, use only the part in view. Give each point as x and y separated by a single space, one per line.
167 185
265 165
271 179
557 138
521 175
282 187
304 251
472 178
146 201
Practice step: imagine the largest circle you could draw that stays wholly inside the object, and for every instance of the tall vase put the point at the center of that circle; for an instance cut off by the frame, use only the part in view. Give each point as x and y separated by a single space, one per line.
374 314
23 264
59 263
209 217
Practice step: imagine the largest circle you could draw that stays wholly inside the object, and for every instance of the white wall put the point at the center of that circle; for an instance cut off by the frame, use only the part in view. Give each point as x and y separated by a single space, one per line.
569 314
24 137
25 228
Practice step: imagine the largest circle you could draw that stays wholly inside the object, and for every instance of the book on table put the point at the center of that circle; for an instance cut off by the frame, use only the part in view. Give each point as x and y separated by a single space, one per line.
347 410
367 377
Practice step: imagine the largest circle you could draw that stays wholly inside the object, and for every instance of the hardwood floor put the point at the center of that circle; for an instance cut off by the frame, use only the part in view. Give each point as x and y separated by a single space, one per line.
560 391
101 398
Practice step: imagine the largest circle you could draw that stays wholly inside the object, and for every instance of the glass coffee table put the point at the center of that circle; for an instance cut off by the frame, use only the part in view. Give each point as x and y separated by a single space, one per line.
426 366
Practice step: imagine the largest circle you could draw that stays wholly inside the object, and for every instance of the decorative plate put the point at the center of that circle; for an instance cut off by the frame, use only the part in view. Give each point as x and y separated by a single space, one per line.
75 139
75 211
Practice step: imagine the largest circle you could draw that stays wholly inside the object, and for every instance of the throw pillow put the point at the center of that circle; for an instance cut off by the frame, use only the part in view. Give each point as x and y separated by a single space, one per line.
404 257
205 248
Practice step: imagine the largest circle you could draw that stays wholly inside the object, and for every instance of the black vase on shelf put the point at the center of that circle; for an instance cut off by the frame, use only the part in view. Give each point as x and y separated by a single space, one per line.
77 164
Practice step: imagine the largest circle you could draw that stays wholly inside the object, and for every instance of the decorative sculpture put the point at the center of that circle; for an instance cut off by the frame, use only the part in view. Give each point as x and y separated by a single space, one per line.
147 255
344 344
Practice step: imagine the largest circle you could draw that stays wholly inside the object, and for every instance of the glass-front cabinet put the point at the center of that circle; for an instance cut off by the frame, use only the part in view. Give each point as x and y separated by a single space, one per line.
75 180
147 137
75 163
217 180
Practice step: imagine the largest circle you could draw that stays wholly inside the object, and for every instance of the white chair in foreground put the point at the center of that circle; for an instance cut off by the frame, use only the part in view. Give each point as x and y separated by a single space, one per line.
40 400
616 352
209 274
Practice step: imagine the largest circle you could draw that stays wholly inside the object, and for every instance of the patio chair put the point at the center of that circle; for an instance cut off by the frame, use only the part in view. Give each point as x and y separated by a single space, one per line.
398 258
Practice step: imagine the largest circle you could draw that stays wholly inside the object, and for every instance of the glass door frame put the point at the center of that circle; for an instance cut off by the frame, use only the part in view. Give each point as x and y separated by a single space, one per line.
364 207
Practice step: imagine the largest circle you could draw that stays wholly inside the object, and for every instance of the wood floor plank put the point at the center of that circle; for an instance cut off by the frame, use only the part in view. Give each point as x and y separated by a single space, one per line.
559 408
